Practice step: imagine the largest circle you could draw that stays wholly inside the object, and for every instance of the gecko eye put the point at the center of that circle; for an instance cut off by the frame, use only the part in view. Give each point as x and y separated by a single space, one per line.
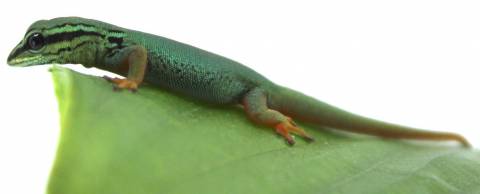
36 41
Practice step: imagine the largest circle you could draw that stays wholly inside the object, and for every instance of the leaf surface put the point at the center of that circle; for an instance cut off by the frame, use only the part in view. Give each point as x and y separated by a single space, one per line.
154 142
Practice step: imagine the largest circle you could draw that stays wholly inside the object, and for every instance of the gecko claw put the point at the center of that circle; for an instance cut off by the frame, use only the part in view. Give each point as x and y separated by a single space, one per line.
285 128
110 79
291 142
309 139
119 84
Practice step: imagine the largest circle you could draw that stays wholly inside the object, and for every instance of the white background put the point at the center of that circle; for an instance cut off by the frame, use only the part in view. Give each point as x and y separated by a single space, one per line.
411 62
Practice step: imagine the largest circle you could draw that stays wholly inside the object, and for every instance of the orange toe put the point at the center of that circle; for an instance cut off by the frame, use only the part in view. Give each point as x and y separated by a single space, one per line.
285 128
122 83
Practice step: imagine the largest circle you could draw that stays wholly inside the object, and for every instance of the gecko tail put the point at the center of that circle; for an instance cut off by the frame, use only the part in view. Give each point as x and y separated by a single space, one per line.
308 109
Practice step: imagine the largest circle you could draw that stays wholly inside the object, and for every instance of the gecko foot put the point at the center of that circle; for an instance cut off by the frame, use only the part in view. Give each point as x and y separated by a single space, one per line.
119 84
287 127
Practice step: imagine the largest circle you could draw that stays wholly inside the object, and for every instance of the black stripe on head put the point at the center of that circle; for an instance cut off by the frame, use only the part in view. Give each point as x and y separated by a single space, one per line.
71 49
67 24
68 36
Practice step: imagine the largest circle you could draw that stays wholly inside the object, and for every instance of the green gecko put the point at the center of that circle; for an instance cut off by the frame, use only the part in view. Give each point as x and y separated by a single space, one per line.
193 72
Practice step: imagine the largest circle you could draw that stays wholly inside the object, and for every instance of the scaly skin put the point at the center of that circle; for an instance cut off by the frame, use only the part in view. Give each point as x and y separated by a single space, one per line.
193 72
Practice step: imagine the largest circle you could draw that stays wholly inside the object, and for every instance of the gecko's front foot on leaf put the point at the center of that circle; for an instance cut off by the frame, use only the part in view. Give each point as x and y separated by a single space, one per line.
285 128
119 84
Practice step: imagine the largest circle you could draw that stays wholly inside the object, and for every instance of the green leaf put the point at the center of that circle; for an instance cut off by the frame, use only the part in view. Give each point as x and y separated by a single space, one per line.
157 142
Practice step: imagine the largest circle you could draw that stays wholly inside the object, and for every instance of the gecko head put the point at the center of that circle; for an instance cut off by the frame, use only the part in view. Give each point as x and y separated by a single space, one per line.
54 41
30 51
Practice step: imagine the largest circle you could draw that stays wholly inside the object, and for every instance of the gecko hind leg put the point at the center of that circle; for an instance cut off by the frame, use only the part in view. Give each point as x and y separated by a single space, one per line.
135 58
255 104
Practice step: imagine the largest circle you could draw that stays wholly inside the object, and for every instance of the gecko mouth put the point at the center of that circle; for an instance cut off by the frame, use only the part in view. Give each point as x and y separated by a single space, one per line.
24 62
28 61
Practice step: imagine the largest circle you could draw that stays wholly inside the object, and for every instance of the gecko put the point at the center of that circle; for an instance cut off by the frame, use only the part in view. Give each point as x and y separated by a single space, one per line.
187 70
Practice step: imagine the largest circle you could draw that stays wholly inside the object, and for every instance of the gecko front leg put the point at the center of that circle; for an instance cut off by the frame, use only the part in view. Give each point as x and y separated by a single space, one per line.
135 59
255 104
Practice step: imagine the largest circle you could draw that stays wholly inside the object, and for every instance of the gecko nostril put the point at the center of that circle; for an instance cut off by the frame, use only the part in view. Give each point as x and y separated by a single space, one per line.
10 58
15 52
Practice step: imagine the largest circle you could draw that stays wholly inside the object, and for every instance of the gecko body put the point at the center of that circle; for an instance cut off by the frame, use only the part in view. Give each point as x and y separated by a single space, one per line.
185 69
